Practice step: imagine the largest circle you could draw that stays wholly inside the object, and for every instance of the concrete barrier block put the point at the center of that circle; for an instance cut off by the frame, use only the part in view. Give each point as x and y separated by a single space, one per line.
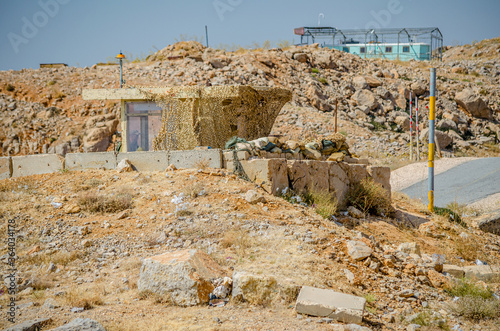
36 164
82 161
327 303
270 173
381 175
5 167
146 161
191 159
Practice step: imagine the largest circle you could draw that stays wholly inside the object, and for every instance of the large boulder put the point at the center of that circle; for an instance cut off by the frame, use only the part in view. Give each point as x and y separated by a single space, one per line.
262 289
323 60
443 138
473 104
183 277
360 83
373 82
365 98
96 140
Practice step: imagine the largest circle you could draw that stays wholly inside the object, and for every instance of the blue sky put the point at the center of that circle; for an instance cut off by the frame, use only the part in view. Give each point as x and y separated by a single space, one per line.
81 33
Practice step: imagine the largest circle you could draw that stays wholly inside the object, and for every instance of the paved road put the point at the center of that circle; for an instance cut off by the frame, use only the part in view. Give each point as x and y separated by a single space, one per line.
464 184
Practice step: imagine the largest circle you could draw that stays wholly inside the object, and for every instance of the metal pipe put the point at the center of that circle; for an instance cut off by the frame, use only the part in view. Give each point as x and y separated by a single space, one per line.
206 34
432 117
121 73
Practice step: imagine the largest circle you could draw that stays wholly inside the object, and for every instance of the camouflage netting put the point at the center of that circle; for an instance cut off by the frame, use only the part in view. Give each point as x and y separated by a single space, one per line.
209 116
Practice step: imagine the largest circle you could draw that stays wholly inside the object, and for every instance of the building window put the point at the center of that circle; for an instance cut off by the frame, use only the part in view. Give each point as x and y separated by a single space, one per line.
346 49
406 49
362 50
143 125
388 49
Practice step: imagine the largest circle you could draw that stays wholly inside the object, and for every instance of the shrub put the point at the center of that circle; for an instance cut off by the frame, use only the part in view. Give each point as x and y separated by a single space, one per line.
451 213
477 308
95 203
315 70
324 203
466 287
87 299
370 197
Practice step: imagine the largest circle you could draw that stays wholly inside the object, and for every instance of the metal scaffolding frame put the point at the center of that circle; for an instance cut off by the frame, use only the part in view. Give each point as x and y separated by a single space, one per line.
431 36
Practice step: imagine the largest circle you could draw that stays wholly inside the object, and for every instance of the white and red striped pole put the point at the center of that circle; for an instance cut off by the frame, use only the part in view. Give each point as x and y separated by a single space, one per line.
411 129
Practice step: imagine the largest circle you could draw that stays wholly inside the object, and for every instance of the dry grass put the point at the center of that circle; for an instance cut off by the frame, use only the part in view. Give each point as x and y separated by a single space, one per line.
101 203
193 191
155 297
59 258
370 198
468 249
202 164
238 240
477 308
86 298
324 203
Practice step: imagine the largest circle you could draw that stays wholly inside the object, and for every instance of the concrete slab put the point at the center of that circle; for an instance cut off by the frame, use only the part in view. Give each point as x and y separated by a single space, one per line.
5 167
81 161
327 303
146 161
194 158
482 272
36 164
270 173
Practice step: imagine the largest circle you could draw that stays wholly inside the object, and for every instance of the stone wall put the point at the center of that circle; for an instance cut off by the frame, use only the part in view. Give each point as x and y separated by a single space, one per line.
302 176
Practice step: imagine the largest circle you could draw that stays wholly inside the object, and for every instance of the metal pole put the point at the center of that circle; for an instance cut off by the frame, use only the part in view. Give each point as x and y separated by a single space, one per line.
418 139
121 73
411 129
336 108
206 34
432 117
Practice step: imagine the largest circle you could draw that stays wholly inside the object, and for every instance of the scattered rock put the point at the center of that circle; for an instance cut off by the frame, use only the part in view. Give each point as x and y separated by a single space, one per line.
473 104
358 250
124 166
31 325
253 197
327 303
184 277
261 289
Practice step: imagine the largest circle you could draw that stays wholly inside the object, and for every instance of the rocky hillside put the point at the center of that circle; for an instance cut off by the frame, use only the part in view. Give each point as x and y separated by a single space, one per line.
41 111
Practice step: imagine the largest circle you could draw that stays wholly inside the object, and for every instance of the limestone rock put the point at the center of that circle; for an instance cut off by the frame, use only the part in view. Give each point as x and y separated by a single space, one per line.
403 122
81 324
454 270
96 140
327 303
373 82
261 289
358 250
124 166
473 104
365 98
37 324
253 197
301 57
490 222
355 212
443 138
360 83
183 276
437 280
409 248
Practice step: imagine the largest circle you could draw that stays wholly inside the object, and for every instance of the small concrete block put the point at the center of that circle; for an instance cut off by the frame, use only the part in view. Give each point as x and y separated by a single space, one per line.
82 161
146 161
454 270
36 164
327 303
190 159
5 167
482 272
